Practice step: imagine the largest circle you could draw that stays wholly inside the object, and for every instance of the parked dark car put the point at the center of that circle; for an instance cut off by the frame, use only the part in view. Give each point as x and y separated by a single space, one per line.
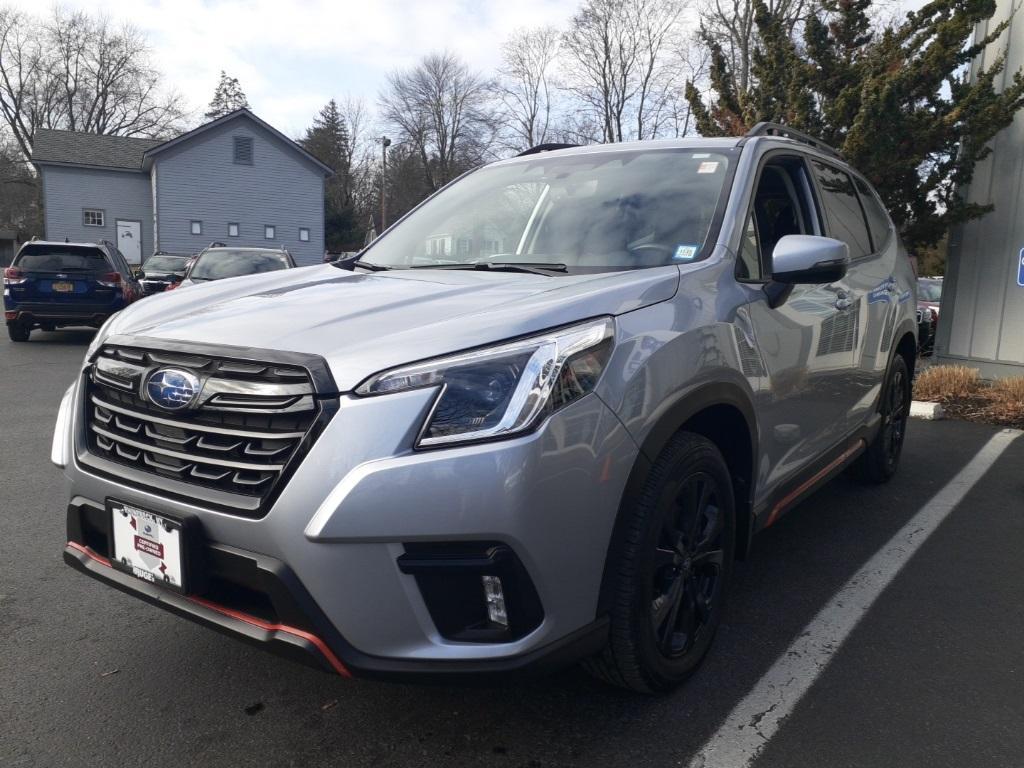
929 298
161 270
219 262
51 285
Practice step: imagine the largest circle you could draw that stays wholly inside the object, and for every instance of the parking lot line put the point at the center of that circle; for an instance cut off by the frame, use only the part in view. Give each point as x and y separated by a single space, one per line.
753 722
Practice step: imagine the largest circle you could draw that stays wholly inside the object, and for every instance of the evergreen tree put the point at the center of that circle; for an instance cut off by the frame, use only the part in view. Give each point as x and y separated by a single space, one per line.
328 140
227 97
897 101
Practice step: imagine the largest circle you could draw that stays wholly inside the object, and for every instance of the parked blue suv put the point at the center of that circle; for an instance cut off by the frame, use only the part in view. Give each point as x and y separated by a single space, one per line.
50 285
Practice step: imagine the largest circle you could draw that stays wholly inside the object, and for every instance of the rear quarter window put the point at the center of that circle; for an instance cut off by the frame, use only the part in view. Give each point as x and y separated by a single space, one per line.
47 258
878 219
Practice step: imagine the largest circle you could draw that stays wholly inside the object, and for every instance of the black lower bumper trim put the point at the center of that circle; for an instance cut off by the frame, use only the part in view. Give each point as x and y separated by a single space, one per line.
325 648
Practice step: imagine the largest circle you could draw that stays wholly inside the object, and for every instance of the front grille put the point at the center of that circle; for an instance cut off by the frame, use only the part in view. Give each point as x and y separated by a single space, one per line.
239 438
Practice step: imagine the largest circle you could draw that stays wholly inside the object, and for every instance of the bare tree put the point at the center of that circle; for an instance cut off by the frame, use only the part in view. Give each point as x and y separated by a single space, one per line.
441 108
525 86
79 72
620 64
730 24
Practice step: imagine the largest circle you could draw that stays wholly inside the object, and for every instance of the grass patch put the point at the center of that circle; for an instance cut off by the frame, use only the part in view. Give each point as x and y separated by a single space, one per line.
964 394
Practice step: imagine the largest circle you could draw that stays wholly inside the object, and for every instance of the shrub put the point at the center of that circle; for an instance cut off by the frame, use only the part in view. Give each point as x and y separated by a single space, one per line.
1006 401
943 383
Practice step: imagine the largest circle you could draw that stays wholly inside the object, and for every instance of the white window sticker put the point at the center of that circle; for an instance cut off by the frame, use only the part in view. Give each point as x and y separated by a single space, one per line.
709 166
700 155
685 253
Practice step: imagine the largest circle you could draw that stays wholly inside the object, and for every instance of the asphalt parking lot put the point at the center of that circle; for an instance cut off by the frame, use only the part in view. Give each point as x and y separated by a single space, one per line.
932 676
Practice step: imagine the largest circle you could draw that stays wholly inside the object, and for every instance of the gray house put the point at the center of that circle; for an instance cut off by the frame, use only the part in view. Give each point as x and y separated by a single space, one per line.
236 180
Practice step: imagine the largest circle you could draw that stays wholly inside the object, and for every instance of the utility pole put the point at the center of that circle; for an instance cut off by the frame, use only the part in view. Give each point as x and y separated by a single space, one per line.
385 142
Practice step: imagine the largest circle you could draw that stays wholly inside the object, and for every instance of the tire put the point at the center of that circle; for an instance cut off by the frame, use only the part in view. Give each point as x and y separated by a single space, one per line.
18 332
669 568
881 459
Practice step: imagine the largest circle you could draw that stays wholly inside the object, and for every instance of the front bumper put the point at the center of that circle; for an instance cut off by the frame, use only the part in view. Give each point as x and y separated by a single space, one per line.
361 497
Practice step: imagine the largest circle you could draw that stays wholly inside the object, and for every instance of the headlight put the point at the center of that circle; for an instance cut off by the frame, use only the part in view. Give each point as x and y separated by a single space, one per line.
504 390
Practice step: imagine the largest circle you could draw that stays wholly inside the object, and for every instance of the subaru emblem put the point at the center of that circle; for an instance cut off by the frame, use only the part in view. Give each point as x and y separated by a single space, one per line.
172 388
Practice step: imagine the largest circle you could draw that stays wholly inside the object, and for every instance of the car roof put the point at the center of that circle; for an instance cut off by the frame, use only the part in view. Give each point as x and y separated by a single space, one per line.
253 248
685 142
64 242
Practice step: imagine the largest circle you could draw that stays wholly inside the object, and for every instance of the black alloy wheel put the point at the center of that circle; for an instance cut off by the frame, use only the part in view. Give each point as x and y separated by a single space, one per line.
688 563
881 458
668 569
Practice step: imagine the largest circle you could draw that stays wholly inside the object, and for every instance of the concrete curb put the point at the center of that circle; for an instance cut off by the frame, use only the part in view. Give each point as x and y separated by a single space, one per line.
920 409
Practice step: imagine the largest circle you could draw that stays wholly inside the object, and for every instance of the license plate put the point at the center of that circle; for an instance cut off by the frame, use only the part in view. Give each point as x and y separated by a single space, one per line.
148 545
64 287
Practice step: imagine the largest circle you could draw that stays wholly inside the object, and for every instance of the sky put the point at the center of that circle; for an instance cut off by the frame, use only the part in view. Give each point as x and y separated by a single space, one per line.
292 57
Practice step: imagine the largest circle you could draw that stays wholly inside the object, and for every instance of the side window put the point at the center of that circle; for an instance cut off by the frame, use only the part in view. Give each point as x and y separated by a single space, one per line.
780 207
842 209
878 219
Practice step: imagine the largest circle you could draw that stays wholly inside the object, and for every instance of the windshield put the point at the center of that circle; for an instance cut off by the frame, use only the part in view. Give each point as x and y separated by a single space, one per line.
591 212
929 290
216 264
165 264
61 258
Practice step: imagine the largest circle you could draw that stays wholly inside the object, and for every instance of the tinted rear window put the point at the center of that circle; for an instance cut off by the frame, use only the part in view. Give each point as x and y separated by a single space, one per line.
56 258
845 217
215 264
165 264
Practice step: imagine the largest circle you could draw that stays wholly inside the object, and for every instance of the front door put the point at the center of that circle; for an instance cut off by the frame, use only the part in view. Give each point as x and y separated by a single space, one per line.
129 240
807 340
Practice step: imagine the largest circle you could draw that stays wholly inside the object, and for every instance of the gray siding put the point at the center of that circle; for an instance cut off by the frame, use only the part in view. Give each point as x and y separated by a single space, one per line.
981 322
199 180
120 194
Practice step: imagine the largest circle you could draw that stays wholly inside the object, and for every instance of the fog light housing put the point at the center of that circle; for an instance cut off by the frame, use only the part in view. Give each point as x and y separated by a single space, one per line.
495 597
475 591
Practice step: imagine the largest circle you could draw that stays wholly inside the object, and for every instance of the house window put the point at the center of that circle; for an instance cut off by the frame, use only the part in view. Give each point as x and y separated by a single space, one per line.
197 227
304 234
232 229
268 232
243 150
93 217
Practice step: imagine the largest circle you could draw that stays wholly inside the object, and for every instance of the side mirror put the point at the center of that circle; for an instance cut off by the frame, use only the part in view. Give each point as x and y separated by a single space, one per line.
140 275
809 259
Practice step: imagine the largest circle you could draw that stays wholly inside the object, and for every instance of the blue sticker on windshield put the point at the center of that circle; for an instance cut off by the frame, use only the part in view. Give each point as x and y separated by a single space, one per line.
684 253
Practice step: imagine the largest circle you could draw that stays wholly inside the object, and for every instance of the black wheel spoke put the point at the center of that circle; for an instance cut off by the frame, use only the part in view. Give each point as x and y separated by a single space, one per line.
709 558
664 557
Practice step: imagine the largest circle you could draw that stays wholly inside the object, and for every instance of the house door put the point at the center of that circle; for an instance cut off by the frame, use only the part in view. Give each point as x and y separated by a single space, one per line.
129 240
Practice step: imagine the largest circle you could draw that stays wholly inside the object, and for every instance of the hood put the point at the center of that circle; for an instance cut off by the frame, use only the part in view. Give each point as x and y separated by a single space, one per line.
362 323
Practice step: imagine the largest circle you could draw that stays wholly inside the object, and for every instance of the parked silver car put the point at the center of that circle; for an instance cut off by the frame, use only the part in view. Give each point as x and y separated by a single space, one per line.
536 423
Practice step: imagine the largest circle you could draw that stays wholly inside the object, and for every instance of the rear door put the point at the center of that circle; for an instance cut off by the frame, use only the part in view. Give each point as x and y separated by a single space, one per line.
63 275
869 287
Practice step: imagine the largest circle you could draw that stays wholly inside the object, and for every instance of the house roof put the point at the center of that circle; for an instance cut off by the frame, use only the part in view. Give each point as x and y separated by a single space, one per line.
91 150
231 116
50 147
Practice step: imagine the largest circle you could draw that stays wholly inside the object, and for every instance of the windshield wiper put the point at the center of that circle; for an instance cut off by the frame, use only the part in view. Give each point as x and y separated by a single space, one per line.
535 268
370 265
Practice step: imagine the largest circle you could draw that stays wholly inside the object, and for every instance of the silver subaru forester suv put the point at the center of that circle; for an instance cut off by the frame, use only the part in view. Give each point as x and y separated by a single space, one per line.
535 423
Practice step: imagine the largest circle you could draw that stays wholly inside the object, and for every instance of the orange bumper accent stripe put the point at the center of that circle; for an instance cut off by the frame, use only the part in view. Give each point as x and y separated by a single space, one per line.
267 626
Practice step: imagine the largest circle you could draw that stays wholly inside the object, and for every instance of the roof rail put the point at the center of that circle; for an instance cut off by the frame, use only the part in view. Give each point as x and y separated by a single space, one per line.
545 148
784 131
